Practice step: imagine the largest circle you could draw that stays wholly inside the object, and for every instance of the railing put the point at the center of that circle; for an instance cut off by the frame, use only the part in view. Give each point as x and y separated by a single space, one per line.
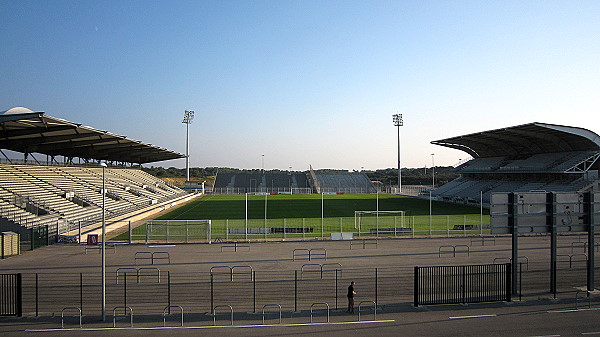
462 284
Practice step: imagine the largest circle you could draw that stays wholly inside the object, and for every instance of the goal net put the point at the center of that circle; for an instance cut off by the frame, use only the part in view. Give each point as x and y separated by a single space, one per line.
176 231
380 222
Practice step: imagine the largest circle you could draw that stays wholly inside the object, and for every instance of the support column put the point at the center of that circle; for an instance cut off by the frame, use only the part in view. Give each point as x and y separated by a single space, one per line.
553 229
588 208
514 226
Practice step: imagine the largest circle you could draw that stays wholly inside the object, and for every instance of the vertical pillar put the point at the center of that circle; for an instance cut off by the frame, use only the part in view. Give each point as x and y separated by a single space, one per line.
551 225
589 209
513 223
295 290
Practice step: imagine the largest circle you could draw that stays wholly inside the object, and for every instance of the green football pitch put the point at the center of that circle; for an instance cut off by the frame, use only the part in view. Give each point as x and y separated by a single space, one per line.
319 215
220 207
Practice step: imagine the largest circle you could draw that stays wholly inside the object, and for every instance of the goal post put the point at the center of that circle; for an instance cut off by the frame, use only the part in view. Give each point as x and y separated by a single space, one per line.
380 222
178 231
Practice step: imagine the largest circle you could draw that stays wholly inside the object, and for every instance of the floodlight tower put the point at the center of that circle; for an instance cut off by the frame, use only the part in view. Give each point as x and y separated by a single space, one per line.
398 122
188 117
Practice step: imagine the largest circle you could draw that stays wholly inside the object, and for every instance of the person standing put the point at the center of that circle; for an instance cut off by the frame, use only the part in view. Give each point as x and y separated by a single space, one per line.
351 294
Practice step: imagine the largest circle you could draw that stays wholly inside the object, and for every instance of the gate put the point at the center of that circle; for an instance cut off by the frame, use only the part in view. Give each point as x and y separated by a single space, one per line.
10 295
39 237
462 284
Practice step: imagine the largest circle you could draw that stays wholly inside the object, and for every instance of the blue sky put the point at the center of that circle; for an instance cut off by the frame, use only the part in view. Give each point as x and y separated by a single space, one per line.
303 82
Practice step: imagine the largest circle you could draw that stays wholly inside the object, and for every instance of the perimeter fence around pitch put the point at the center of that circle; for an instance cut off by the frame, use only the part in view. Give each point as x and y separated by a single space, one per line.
383 226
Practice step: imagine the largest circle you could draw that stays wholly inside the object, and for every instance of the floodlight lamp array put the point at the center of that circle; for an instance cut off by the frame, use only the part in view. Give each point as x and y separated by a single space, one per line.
188 117
398 120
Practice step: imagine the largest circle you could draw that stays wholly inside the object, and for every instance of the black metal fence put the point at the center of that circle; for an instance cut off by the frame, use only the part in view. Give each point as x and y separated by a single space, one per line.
10 295
462 284
149 289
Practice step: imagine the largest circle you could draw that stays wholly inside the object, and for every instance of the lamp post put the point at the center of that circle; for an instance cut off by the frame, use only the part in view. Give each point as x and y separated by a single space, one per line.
432 171
398 122
188 117
103 246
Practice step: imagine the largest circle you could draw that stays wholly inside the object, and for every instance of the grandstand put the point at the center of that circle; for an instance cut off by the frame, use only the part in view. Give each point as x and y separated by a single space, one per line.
292 182
261 182
61 194
524 158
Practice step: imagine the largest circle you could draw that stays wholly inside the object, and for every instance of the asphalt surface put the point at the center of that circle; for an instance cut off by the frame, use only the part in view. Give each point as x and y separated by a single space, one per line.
538 316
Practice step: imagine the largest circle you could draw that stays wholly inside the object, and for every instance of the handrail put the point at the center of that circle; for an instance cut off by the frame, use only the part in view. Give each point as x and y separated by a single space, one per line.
142 256
271 305
322 250
62 316
165 314
125 273
139 274
251 272
115 315
302 271
468 251
374 308
294 254
318 303
215 312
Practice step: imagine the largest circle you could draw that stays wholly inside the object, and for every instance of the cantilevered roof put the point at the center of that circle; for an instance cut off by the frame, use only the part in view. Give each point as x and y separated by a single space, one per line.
25 131
523 140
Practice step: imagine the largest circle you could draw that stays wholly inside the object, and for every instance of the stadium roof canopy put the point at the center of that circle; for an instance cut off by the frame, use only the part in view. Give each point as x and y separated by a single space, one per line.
25 131
524 139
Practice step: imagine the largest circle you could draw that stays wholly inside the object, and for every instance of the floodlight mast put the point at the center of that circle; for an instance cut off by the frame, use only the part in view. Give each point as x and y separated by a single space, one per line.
398 122
188 117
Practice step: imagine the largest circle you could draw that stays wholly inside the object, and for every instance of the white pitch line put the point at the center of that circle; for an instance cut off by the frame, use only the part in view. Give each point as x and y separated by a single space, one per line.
547 336
215 326
467 317
571 310
590 333
162 246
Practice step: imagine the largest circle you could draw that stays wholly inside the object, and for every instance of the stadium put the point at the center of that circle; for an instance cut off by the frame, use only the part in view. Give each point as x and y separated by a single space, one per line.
249 243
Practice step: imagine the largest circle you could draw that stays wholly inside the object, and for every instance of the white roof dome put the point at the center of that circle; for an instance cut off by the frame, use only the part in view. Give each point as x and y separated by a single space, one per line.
16 110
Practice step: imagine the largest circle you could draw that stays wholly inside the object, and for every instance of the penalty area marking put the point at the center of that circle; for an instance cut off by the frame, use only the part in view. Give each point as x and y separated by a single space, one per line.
467 317
162 246
215 326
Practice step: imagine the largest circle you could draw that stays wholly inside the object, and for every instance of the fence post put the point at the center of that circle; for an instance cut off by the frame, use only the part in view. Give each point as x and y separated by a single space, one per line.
212 297
284 228
37 298
226 229
254 290
168 289
336 289
130 232
376 289
465 225
416 287
448 224
81 292
509 282
147 231
295 290
125 291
